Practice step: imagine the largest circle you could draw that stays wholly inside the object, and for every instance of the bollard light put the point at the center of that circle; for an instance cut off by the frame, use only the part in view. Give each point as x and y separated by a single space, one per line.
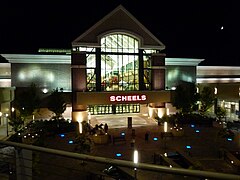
165 126
80 127
135 156
135 160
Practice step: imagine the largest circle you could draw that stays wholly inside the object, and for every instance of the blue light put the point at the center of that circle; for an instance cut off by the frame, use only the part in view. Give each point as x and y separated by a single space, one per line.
229 139
192 125
155 138
197 131
188 147
70 142
118 154
62 135
122 133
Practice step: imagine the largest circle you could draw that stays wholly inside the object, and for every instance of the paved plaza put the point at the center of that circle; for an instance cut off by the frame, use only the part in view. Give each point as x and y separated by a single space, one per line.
205 144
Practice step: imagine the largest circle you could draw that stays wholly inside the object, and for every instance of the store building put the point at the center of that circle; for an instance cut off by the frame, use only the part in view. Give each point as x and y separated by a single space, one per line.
120 63
116 66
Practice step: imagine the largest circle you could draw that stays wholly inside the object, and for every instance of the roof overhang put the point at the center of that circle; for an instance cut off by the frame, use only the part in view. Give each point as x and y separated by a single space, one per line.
182 61
36 58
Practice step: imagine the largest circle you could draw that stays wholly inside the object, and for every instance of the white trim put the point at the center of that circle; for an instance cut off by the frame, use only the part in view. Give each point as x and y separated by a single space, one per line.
182 61
218 71
217 80
36 58
218 67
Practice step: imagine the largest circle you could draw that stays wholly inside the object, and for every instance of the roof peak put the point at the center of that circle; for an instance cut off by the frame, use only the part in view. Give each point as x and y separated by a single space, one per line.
118 20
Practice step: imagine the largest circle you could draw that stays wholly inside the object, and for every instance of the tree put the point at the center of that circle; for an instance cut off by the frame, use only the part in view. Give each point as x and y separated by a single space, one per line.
185 97
220 113
83 143
16 123
57 103
27 101
207 98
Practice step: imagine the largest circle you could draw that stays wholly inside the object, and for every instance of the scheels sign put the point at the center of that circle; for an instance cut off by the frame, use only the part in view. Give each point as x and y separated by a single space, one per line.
128 98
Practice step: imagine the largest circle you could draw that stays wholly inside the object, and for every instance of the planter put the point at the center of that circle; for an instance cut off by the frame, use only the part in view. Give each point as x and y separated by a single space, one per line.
100 138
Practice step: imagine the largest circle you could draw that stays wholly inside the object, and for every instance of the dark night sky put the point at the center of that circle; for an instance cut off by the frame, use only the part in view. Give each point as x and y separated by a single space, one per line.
189 29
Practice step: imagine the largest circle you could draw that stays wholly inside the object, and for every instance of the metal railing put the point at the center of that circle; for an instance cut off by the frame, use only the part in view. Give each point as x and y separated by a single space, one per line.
24 166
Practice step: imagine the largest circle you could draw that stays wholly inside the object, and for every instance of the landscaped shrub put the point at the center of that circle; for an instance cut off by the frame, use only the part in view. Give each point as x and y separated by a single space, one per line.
198 119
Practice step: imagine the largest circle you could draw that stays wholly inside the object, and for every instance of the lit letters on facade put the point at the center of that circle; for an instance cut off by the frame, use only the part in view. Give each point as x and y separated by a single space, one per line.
121 98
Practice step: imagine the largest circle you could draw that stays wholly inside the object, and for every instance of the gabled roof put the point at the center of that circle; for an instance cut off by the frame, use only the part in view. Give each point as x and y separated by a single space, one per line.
121 21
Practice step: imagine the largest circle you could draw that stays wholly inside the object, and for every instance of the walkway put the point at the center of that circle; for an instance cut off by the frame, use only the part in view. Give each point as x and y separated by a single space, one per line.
121 120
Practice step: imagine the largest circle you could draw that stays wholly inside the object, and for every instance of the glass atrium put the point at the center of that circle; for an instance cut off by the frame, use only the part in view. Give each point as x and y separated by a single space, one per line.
120 56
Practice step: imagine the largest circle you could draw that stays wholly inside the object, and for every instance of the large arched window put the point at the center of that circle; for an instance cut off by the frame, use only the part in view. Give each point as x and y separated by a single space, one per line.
119 62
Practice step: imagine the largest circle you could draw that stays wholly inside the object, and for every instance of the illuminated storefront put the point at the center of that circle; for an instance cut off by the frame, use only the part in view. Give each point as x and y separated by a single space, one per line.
120 66
120 56
116 66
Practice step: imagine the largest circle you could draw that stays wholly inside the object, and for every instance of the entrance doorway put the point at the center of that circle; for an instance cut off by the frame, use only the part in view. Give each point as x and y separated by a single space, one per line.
113 109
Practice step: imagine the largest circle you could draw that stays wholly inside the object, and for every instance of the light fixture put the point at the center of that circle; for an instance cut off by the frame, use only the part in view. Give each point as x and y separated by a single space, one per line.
45 90
165 126
215 90
135 156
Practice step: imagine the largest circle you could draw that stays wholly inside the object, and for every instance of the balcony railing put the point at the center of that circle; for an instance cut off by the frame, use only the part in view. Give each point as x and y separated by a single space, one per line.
25 162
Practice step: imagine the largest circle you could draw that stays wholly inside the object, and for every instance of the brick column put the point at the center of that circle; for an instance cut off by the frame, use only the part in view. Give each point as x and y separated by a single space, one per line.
158 72
79 84
158 83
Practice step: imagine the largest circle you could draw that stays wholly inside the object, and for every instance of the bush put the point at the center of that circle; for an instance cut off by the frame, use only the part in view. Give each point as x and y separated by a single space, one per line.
198 119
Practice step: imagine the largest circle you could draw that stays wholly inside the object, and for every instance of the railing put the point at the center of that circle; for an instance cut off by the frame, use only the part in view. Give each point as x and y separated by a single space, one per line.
33 162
